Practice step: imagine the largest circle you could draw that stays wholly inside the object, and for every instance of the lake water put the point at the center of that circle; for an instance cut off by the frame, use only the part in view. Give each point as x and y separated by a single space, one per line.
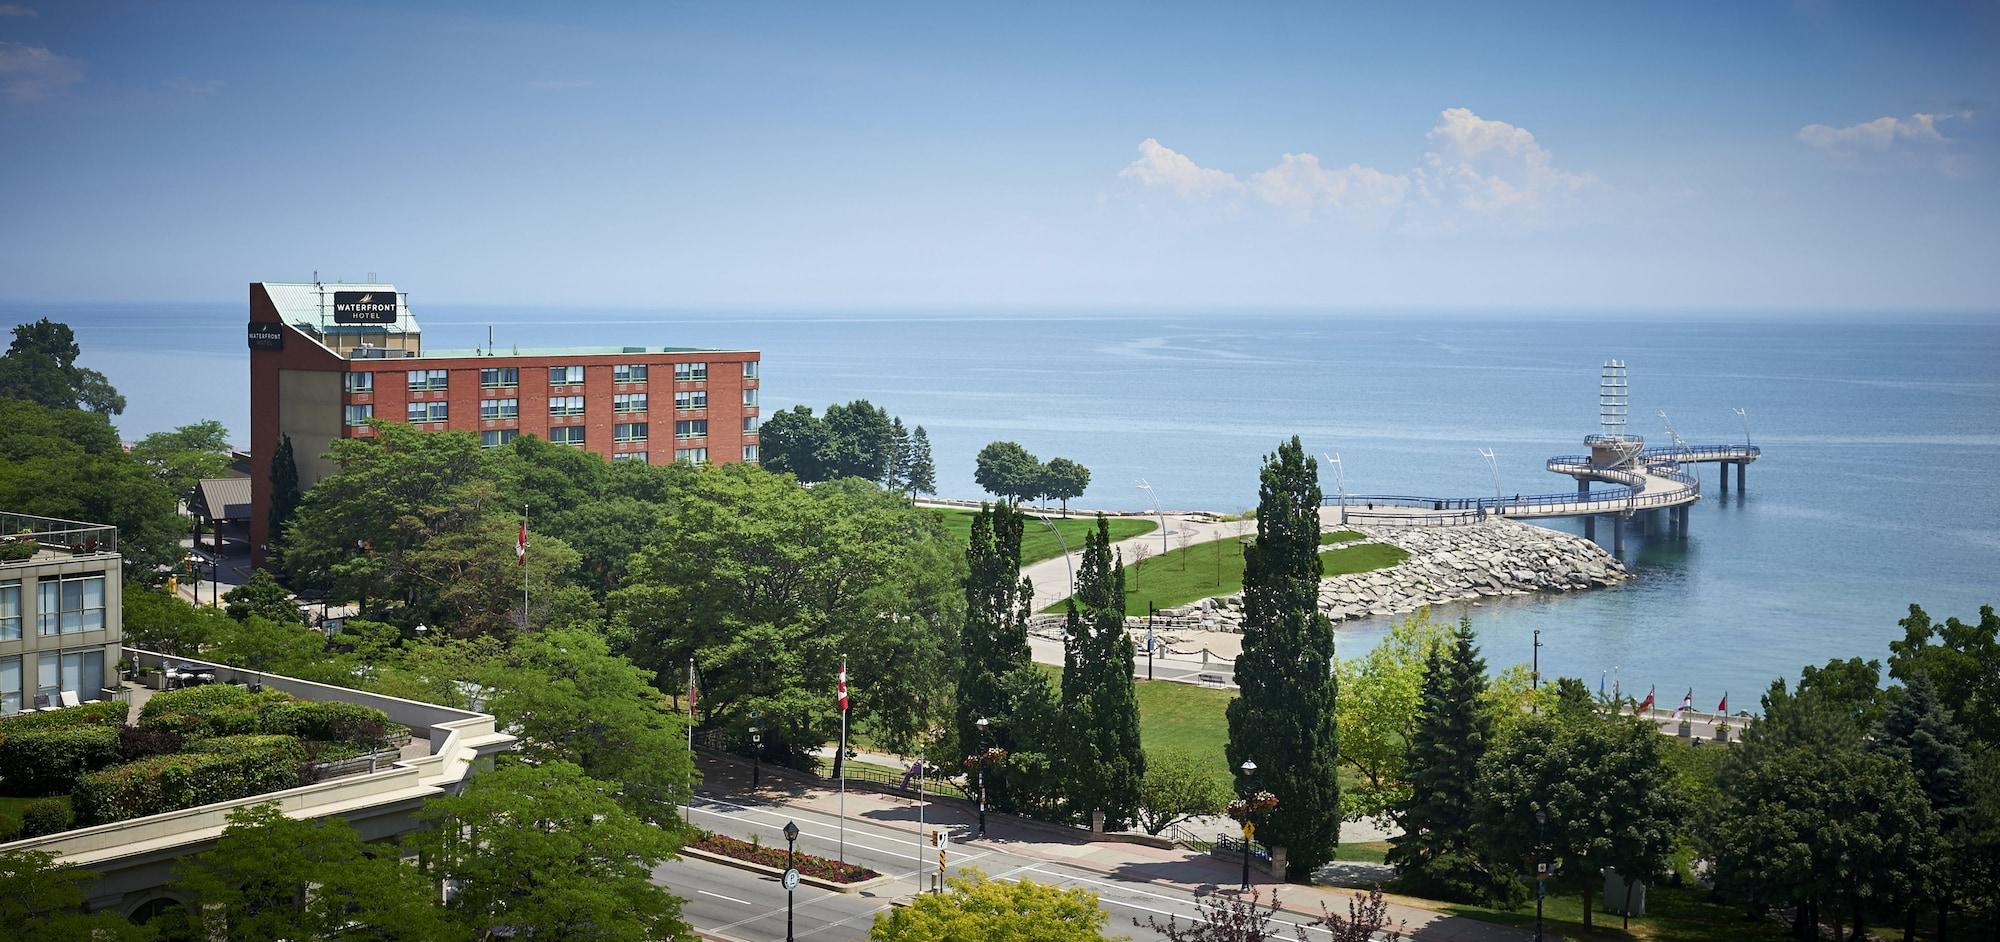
1878 486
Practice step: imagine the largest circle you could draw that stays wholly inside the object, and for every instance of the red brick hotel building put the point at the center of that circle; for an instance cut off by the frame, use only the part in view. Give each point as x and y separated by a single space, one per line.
327 358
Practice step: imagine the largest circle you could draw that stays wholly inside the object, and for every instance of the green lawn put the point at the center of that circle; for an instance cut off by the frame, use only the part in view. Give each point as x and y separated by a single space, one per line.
1206 570
1363 852
10 815
1038 542
1672 915
1339 536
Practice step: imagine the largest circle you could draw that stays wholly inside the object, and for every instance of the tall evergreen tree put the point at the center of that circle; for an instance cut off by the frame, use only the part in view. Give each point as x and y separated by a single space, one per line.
897 476
1919 730
1105 765
922 477
285 495
998 601
1283 718
1435 851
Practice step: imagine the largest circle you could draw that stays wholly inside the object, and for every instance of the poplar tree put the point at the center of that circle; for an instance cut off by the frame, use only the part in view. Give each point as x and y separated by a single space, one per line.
922 477
1435 853
1104 764
998 601
1283 718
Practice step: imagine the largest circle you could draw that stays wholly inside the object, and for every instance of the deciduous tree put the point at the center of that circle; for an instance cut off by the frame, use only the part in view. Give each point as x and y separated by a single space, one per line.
1008 471
1284 717
262 595
40 900
794 441
1063 479
186 455
978 910
1177 788
61 462
1379 697
40 367
1104 764
1960 658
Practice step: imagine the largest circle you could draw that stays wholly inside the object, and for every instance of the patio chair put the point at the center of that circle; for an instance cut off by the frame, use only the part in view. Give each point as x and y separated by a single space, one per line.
69 699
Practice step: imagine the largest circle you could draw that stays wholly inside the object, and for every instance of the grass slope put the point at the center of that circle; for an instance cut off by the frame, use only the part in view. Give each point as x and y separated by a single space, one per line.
1206 570
1037 543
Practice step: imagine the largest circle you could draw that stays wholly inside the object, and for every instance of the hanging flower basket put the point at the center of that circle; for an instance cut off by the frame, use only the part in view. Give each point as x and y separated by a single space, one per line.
993 756
1245 809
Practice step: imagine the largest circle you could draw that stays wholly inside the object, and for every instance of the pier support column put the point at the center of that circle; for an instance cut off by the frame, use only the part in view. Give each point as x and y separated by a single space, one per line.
1725 476
1687 516
1590 527
1740 465
1673 523
1618 534
1582 486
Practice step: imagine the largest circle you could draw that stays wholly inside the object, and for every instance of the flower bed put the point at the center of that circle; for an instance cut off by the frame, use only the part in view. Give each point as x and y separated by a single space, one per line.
818 868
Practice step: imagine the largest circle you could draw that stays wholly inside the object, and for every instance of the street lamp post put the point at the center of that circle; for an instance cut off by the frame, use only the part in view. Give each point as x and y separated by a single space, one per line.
791 873
1487 453
1541 872
1248 768
1745 416
1339 482
1147 486
756 758
982 723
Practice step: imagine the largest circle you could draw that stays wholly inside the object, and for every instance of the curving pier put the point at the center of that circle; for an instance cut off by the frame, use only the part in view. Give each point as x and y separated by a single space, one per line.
1619 478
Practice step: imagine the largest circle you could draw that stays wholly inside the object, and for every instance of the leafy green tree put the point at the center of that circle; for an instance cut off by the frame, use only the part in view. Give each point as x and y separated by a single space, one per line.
570 699
186 455
40 367
1603 793
1974 887
1435 852
1918 730
1177 787
998 601
41 900
1063 479
897 476
1379 697
285 493
1959 658
922 476
1104 765
860 441
467 578
546 852
768 585
1008 471
277 647
1284 718
797 442
262 595
157 621
67 463
1853 686
981 910
271 877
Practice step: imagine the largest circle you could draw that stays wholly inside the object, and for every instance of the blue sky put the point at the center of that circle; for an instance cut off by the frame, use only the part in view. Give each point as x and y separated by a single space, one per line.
1669 157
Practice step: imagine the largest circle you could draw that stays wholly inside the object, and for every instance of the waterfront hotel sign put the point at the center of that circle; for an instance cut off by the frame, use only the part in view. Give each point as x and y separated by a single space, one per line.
364 307
265 335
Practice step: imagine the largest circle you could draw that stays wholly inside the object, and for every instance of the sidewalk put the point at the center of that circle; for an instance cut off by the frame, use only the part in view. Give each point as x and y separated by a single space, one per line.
1174 868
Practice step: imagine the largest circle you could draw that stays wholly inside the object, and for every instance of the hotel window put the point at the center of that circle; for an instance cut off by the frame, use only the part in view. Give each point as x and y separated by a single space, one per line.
638 456
691 455
10 613
495 437
749 425
427 411
428 379
629 373
690 372
499 377
750 396
499 409
81 671
629 432
571 435
749 453
628 402
360 382
691 428
10 685
67 606
565 375
359 415
565 405
687 399
750 369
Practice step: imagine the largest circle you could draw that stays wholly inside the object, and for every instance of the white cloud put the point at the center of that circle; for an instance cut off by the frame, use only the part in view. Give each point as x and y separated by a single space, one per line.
1880 134
1474 168
30 73
15 9
1159 165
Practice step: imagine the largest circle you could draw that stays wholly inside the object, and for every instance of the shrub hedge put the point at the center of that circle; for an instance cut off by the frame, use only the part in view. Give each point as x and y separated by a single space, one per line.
107 713
193 699
233 711
47 816
49 761
218 769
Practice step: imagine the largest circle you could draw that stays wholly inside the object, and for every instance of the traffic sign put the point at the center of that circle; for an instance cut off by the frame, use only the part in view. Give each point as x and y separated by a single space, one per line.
791 879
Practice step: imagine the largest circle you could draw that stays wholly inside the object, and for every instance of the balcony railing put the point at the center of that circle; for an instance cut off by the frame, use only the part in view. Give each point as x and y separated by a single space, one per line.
54 533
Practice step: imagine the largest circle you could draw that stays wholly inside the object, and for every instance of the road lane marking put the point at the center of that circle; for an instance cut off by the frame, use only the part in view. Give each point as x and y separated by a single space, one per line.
729 898
1126 887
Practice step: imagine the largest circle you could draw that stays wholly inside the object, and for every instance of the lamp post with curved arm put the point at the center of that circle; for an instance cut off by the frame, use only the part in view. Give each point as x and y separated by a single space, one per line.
1248 768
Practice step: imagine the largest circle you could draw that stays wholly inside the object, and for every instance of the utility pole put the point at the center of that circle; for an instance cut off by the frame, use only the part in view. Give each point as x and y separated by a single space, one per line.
1535 682
1148 488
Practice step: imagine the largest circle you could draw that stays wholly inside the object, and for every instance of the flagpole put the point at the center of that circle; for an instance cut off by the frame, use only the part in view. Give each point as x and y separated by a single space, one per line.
840 759
524 567
690 730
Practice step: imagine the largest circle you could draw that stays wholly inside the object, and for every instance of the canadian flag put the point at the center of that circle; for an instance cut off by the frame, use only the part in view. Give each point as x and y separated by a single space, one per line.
1645 705
1723 707
521 545
1687 703
840 690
